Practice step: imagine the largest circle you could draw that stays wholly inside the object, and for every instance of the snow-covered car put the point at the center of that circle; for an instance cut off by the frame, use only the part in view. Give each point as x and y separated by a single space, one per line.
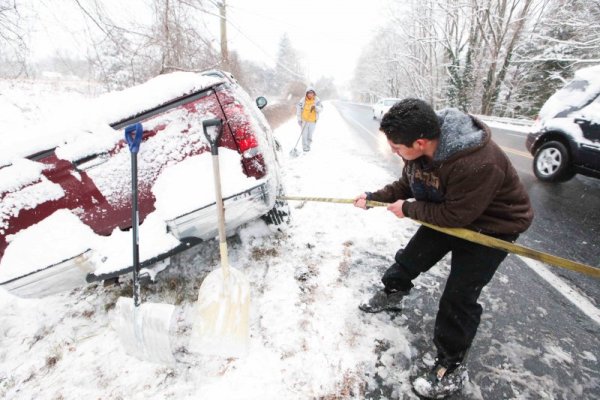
65 208
565 140
382 106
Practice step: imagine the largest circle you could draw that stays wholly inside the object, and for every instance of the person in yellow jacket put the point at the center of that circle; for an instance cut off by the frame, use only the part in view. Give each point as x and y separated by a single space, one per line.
307 114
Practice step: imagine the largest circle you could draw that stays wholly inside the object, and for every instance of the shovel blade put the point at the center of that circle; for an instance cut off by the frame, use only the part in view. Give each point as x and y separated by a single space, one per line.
144 330
294 153
221 320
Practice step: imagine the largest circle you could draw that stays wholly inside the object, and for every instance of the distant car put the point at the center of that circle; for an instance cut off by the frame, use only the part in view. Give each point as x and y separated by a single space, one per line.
565 140
64 210
382 106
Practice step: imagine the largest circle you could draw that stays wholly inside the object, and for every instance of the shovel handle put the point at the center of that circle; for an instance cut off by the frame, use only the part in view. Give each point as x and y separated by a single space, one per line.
301 132
133 136
214 149
213 139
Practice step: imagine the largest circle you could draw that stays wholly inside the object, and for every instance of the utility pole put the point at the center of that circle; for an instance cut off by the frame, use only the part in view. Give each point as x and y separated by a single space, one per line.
224 51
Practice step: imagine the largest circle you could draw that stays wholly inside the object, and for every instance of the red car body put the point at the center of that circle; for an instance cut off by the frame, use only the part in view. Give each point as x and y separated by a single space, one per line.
245 131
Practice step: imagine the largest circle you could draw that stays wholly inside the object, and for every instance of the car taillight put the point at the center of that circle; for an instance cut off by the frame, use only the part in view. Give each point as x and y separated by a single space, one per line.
246 140
247 143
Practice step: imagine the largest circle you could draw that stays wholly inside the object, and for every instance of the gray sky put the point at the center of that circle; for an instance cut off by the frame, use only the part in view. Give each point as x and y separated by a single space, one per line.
329 34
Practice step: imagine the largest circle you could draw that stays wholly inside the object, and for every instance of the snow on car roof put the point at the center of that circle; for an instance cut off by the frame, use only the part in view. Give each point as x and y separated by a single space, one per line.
81 119
584 87
119 105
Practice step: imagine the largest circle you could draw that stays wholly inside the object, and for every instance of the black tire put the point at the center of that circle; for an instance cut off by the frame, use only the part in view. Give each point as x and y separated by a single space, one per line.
552 163
279 214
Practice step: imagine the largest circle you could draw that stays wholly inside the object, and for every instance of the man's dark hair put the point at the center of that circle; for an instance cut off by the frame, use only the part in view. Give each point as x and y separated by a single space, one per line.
409 120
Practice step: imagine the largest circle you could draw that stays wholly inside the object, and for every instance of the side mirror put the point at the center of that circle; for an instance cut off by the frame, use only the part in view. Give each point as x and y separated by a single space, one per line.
261 102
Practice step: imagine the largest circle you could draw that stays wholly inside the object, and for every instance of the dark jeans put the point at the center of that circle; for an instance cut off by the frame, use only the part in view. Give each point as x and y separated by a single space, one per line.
472 267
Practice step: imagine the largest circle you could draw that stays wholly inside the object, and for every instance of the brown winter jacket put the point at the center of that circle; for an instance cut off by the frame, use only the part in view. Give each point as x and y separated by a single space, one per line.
470 183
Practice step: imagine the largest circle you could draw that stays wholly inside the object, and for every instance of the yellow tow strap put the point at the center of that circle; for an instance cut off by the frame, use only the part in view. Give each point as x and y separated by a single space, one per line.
476 237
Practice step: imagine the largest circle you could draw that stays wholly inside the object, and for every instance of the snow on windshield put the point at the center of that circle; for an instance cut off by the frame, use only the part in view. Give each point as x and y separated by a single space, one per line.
174 142
189 184
584 87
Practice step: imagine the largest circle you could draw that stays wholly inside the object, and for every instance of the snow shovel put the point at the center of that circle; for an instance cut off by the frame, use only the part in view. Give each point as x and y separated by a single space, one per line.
221 325
147 338
295 152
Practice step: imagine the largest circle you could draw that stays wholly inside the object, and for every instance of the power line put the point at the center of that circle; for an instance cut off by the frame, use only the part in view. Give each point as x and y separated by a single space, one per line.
277 62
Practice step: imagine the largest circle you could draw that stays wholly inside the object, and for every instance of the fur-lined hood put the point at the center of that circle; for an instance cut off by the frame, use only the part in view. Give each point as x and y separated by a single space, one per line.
461 134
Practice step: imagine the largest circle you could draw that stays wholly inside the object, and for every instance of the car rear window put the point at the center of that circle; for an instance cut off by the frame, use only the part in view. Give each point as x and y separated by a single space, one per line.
86 122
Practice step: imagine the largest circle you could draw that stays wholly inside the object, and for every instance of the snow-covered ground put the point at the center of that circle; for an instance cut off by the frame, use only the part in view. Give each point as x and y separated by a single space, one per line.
308 338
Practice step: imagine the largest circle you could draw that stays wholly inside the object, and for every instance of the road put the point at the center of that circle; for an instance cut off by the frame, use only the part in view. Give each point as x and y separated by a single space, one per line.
567 215
528 322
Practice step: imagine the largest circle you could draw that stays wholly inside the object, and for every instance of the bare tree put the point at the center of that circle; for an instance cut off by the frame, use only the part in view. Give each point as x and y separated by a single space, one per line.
124 53
178 37
13 46
565 37
405 58
500 24
569 32
479 40
288 68
451 52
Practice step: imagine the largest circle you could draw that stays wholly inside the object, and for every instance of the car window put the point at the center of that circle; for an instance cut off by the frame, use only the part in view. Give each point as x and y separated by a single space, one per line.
251 107
591 112
390 102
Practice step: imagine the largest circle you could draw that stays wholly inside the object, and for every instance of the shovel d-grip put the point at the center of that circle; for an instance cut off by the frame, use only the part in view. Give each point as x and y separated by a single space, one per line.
214 137
133 136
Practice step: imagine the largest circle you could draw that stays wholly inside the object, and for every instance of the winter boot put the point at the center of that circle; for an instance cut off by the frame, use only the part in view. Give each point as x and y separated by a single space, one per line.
441 382
384 301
